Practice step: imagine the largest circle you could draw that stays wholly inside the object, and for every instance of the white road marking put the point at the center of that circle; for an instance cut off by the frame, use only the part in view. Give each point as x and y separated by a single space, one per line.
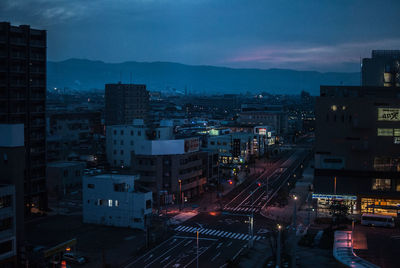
216 256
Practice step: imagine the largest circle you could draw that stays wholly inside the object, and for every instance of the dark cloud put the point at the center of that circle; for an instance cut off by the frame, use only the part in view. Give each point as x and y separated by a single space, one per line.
308 34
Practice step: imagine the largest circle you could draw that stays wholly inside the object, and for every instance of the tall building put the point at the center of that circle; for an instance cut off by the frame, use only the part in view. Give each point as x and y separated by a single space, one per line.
12 166
126 102
23 101
357 150
382 69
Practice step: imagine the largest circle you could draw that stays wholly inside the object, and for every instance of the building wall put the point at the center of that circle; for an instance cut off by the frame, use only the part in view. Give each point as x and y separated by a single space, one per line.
104 204
12 168
64 176
23 100
121 140
163 172
125 102
8 242
358 144
382 69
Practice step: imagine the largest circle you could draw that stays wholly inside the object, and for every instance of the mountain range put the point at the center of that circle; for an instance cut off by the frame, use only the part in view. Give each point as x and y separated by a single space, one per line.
81 74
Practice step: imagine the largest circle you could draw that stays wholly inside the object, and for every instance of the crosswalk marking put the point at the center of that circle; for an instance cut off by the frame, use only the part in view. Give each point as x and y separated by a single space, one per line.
220 233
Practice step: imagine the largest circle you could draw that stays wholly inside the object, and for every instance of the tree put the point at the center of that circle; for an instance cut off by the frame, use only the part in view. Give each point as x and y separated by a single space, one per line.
339 211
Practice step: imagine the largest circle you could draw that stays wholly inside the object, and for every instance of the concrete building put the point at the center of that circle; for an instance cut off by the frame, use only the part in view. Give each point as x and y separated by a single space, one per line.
382 69
23 101
12 168
270 115
72 133
357 150
62 177
8 230
171 168
125 102
121 140
115 200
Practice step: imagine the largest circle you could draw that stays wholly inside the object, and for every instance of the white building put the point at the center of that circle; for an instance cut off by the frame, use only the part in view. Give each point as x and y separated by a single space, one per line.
110 199
8 247
121 140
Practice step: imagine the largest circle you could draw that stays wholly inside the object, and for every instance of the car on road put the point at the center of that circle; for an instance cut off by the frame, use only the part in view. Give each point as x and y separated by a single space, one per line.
72 257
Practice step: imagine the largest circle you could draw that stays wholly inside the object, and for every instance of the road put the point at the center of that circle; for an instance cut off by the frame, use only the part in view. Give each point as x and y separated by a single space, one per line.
223 235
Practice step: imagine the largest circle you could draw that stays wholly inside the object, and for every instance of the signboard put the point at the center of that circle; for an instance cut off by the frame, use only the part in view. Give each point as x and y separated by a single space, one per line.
396 140
337 197
388 114
191 145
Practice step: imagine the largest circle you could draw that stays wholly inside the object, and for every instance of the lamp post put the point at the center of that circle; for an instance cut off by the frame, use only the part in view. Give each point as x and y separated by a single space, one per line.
180 195
293 262
278 248
197 243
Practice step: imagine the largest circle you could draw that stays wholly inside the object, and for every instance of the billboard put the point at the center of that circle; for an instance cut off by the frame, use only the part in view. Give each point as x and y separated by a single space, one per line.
388 114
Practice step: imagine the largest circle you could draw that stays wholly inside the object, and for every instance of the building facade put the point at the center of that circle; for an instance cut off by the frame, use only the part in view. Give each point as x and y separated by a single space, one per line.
174 170
357 151
270 115
382 69
121 140
23 101
63 177
114 200
8 230
125 102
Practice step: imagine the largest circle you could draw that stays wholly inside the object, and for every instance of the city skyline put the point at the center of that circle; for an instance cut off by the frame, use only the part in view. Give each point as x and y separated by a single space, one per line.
261 34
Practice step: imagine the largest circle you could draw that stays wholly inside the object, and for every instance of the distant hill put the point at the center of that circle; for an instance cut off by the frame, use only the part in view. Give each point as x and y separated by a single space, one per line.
86 74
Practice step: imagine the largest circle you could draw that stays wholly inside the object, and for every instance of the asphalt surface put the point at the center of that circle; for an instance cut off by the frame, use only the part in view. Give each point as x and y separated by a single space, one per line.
223 235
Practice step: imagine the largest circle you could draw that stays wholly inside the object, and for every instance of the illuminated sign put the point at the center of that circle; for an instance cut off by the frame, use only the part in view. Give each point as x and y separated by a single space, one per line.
262 131
388 114
396 140
337 197
269 134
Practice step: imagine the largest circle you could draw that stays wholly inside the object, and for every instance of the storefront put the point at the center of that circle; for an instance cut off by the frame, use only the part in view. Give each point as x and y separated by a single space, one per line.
324 201
382 206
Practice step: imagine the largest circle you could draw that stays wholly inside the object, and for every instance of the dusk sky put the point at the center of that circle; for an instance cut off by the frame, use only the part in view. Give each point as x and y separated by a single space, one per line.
322 35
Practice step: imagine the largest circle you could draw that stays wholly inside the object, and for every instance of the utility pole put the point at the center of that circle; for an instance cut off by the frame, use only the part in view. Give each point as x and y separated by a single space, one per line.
197 243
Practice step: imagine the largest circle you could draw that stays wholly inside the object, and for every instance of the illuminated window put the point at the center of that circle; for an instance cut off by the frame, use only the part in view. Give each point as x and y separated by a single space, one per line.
110 202
396 132
385 132
381 184
334 108
116 203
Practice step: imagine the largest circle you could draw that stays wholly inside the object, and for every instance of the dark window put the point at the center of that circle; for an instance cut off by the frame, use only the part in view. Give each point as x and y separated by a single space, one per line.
332 160
65 173
6 246
115 132
5 201
148 204
5 224
122 132
122 152
90 186
131 132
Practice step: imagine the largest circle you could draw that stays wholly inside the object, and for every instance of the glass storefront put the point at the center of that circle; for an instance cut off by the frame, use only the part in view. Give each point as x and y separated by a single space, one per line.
325 201
381 206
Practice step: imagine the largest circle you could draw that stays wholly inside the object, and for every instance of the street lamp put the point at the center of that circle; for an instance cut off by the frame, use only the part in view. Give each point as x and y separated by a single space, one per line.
294 232
180 194
278 248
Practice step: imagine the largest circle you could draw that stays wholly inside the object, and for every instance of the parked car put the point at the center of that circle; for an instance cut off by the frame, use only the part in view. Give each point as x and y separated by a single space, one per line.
72 257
